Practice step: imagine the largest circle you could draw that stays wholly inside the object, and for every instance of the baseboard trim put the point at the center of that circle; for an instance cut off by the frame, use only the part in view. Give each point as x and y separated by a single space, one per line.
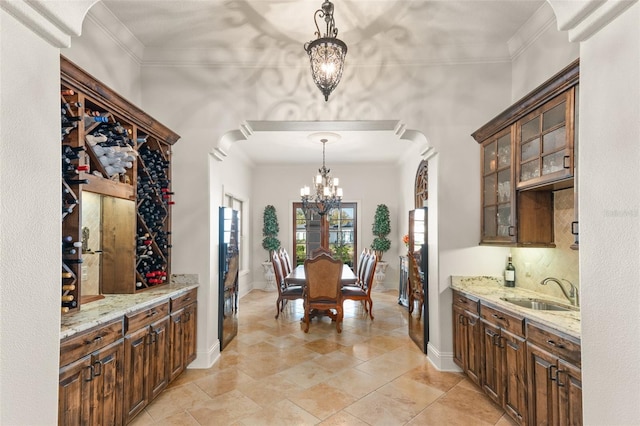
443 361
207 359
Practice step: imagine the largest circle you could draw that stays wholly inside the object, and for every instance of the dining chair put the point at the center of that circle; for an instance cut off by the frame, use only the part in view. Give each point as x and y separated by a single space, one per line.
360 263
361 290
320 250
416 290
322 290
286 261
285 291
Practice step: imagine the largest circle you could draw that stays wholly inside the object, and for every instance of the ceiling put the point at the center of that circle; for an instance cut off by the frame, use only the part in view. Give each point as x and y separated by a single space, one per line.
244 31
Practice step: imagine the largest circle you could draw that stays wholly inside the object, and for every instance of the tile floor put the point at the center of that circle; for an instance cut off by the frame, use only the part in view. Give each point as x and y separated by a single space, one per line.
273 373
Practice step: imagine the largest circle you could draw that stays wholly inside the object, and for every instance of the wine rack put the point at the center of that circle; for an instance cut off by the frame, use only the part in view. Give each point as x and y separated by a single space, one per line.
122 156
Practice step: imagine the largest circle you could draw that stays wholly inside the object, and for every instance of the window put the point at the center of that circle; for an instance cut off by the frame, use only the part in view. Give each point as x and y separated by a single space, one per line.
336 230
422 184
238 205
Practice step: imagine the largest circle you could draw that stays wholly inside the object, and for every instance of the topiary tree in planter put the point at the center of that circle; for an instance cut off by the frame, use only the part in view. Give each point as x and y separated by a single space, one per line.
270 229
381 228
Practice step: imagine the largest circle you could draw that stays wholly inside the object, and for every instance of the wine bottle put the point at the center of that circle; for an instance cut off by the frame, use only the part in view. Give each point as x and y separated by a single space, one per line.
510 274
68 287
70 305
67 298
67 92
67 275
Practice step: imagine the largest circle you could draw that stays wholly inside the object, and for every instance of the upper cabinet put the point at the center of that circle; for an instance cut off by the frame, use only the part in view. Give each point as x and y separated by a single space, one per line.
545 142
527 153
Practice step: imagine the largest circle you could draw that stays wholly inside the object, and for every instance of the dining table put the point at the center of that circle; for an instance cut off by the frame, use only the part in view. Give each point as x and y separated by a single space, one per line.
297 276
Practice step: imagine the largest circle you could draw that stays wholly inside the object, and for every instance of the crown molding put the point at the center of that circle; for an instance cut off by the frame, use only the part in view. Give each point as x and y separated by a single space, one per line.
102 17
583 19
54 22
536 25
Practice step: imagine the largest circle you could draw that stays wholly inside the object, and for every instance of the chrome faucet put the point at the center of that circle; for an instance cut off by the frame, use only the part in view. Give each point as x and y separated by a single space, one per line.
573 296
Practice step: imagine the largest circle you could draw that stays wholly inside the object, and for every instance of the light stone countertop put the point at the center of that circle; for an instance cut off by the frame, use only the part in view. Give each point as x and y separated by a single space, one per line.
492 289
117 305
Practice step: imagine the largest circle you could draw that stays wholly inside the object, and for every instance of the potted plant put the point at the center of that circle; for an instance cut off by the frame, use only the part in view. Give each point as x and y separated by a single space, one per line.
381 228
270 229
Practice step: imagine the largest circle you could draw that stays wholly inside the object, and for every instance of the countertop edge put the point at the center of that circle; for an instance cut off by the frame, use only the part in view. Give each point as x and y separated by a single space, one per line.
100 312
490 289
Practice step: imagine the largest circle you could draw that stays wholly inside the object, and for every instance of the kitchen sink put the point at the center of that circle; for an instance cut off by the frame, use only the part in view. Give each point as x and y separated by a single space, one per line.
539 304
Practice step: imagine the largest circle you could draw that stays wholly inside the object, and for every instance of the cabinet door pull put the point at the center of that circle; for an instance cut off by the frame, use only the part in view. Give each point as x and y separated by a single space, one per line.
555 345
566 164
94 340
97 368
462 301
574 228
552 374
152 313
89 370
496 316
558 372
512 231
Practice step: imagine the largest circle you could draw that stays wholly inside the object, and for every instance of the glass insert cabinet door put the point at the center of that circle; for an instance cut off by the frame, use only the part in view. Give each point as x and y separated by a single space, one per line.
498 221
545 142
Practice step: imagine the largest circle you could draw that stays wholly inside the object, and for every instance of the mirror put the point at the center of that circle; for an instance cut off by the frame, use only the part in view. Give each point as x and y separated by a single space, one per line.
228 267
418 279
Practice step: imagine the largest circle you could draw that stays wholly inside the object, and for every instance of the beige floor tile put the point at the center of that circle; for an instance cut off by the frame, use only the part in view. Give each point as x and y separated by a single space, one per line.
429 375
176 400
222 382
142 419
343 419
472 401
284 413
225 409
377 409
356 383
505 420
323 400
306 374
323 346
182 418
337 361
269 390
414 396
439 414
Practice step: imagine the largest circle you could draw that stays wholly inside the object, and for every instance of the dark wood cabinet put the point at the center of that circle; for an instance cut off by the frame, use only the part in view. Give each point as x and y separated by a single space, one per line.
146 357
503 360
527 153
466 343
183 332
91 387
554 378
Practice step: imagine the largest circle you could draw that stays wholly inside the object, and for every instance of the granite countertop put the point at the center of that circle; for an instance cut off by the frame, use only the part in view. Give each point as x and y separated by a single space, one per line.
492 289
117 305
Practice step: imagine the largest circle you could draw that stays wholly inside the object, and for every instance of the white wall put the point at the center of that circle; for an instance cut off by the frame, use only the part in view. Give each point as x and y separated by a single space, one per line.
609 221
30 232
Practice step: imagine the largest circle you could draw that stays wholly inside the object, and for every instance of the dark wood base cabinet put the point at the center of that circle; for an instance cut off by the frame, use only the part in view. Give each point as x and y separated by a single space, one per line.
529 370
112 372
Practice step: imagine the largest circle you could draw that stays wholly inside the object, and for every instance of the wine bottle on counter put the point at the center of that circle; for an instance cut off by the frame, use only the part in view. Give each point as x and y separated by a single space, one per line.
510 274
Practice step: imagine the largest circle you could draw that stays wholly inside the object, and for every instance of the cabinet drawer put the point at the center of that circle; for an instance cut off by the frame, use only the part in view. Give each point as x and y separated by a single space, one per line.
183 300
502 319
137 320
565 347
75 347
465 302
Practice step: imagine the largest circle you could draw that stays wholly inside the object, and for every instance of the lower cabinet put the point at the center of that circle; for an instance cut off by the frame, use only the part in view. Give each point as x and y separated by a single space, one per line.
90 388
503 360
531 371
554 378
466 344
110 373
146 357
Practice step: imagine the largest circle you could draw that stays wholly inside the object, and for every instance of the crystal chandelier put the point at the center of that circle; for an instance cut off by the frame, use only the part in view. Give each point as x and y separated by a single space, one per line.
326 53
327 194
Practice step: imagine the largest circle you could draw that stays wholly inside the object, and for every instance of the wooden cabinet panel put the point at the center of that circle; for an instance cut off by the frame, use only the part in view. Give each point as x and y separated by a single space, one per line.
492 362
74 393
190 331
159 357
515 393
136 368
542 392
502 319
467 342
183 300
79 345
570 394
176 356
108 367
140 319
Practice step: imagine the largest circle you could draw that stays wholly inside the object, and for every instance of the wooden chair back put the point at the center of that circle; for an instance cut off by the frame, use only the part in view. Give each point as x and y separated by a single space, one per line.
320 250
369 273
277 270
284 259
